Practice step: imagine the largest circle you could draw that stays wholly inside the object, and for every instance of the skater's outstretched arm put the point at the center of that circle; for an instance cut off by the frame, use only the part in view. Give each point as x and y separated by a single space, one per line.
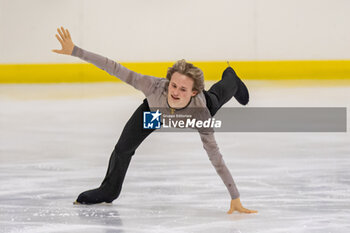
144 83
212 149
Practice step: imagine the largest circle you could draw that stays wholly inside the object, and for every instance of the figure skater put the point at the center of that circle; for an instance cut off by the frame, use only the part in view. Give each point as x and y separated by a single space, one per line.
182 89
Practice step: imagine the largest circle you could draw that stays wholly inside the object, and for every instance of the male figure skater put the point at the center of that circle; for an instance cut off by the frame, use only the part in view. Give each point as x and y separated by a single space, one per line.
183 89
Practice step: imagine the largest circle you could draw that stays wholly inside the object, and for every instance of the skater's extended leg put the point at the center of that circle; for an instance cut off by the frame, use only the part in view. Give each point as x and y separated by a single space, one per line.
132 136
230 85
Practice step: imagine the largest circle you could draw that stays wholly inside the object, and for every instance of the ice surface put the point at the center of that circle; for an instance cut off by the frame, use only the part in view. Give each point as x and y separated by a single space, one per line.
55 142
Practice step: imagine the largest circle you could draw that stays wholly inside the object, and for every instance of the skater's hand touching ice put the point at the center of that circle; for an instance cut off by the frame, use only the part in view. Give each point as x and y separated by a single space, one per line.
65 40
237 205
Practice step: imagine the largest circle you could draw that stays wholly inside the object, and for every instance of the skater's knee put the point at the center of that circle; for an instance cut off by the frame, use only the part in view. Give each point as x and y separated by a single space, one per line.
124 151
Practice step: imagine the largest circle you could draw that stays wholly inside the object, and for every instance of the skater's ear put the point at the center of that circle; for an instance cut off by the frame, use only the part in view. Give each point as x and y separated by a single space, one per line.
194 92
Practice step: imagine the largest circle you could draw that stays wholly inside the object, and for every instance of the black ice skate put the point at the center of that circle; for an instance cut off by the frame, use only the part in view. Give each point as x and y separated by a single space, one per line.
111 185
241 93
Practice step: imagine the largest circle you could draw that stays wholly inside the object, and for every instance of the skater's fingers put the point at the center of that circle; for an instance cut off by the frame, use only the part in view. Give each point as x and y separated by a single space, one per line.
230 211
64 33
68 34
61 34
250 211
244 210
59 39
57 51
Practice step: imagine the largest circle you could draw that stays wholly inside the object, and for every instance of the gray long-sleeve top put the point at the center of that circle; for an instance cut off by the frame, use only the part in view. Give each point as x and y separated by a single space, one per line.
155 90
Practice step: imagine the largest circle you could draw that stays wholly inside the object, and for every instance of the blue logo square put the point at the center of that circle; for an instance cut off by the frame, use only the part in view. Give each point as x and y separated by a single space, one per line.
151 120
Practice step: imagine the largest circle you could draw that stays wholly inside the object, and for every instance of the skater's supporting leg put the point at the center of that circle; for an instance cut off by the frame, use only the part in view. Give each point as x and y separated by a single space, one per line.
230 85
132 136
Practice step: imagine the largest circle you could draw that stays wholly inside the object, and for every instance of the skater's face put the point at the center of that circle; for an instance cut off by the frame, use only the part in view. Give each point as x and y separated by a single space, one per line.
180 90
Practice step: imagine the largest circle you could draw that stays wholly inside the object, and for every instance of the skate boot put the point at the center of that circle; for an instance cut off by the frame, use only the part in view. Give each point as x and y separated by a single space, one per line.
111 185
241 91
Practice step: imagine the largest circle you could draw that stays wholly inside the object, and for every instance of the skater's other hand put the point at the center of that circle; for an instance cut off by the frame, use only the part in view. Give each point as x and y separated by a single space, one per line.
65 40
237 205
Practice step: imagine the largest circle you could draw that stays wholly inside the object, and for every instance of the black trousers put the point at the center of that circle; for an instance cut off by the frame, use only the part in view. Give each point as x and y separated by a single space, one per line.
133 135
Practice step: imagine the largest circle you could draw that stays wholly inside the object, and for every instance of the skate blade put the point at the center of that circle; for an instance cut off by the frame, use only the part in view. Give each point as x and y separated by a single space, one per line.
102 203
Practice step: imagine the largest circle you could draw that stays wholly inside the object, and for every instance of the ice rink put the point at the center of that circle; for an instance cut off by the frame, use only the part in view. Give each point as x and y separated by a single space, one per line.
56 139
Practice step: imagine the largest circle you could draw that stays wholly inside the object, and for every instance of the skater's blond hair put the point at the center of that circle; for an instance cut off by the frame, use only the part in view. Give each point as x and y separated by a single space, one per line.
190 71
